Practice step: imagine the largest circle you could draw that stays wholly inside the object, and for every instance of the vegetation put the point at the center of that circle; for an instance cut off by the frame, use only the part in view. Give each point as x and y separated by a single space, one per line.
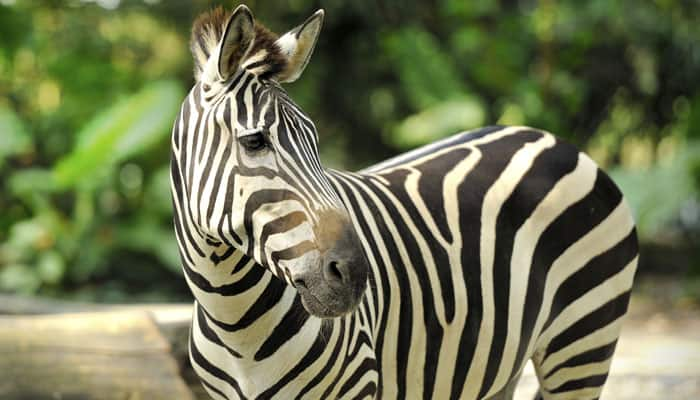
89 90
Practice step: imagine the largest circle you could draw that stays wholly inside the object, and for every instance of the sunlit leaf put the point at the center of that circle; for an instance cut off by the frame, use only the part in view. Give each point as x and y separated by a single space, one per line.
51 267
14 137
437 122
125 129
31 180
19 278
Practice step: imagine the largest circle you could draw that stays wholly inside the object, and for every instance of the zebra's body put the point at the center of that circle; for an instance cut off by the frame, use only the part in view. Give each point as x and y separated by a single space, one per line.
483 251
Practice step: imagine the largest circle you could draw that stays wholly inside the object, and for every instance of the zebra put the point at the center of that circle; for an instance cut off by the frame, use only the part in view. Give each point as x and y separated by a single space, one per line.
435 274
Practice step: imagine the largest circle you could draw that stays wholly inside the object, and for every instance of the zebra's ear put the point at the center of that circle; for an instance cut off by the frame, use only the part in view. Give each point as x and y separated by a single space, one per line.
236 42
297 45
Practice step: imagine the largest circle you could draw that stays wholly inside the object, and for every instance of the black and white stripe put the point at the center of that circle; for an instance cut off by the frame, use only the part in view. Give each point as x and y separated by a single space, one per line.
484 250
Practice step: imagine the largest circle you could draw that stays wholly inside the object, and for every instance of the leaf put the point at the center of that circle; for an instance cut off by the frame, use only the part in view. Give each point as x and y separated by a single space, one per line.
29 181
427 74
148 236
129 127
437 122
14 137
657 195
19 278
51 267
157 195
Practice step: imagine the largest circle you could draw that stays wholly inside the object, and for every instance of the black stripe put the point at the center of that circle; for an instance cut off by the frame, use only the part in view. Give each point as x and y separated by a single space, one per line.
242 262
239 98
209 333
588 382
231 289
198 358
335 354
187 159
597 355
282 224
599 269
212 388
293 252
258 199
216 258
369 390
368 364
431 186
597 319
181 231
287 328
218 171
312 355
348 356
269 298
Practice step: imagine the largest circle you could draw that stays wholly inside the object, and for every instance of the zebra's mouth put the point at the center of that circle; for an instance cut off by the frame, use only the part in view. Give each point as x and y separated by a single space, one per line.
314 306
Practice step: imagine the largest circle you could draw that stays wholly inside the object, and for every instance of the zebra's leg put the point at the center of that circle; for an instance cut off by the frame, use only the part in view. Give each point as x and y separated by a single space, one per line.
575 375
574 351
508 390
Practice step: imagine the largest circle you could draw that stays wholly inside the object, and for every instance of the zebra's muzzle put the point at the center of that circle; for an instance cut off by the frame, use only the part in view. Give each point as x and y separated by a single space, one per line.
336 285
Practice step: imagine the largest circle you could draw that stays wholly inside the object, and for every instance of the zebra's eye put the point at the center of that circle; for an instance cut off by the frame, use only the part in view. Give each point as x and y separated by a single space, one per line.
254 141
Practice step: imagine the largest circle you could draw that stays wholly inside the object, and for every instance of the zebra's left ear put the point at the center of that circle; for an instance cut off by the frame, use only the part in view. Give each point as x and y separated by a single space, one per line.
297 45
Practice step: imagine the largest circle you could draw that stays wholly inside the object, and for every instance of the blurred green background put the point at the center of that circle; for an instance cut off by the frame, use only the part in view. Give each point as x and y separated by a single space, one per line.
89 91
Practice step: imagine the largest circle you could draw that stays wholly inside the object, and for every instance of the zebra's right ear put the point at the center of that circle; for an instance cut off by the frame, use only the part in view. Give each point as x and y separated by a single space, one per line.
297 46
236 41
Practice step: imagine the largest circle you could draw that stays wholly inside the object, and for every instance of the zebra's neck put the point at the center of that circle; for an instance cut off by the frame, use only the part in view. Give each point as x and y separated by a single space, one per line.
242 302
255 325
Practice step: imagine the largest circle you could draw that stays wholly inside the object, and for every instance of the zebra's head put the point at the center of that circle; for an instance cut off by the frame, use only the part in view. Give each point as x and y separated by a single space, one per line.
249 165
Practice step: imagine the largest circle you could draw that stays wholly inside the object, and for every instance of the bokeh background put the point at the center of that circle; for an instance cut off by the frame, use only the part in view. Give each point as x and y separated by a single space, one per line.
89 90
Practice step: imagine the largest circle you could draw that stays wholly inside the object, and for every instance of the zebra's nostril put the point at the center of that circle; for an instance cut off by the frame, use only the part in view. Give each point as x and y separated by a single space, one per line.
300 283
332 272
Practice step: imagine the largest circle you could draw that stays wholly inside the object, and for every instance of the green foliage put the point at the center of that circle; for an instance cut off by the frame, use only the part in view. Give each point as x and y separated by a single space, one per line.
658 194
426 73
88 96
15 138
126 129
90 101
438 121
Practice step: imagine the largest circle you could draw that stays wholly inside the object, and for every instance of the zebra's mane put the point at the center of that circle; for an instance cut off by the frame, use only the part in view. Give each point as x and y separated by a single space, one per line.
207 31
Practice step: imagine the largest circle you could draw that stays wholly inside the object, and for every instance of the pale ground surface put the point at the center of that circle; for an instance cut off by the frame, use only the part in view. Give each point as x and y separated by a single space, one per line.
658 355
